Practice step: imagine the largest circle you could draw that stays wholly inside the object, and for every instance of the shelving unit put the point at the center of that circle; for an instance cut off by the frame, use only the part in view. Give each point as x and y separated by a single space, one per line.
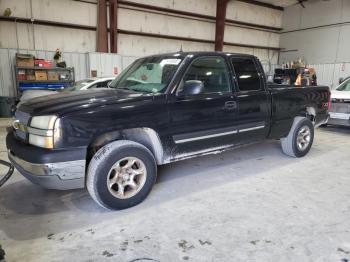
45 84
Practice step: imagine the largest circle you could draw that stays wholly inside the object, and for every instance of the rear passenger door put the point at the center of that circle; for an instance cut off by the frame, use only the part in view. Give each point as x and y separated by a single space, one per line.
252 98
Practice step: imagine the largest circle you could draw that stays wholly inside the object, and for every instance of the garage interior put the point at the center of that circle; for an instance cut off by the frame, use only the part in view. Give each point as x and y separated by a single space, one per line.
249 204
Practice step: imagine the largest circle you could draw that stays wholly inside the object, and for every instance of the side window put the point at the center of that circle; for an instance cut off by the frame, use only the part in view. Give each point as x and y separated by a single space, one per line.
247 74
102 84
93 86
212 71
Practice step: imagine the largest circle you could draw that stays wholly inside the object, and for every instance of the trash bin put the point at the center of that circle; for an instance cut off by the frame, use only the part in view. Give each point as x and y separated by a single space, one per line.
7 106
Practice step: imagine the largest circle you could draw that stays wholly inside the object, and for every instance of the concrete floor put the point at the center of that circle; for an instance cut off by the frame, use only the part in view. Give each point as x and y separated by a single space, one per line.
253 204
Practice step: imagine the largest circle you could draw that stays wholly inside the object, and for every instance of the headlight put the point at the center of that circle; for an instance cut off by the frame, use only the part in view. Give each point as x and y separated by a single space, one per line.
44 131
43 122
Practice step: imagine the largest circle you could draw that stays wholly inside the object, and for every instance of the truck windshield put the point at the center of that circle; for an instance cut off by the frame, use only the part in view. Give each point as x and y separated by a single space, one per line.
148 75
344 86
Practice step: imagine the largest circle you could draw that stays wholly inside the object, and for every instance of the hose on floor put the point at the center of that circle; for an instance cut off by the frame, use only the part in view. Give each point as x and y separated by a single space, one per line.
9 173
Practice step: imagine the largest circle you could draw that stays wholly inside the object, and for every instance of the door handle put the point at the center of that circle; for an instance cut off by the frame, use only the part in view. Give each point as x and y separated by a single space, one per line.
230 105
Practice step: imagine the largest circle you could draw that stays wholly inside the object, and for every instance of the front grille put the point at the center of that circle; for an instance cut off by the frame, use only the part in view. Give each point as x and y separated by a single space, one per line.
23 118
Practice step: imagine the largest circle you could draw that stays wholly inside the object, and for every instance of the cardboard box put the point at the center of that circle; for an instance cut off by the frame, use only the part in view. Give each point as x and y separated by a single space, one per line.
40 75
24 60
43 63
93 73
52 76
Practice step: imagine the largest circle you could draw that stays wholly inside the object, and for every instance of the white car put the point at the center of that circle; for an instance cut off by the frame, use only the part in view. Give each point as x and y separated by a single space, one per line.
339 113
91 83
79 85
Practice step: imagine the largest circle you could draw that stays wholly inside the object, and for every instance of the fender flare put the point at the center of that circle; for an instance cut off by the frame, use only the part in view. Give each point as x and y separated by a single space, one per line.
143 135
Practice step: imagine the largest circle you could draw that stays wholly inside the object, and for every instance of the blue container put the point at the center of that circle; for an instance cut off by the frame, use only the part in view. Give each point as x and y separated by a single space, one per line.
31 86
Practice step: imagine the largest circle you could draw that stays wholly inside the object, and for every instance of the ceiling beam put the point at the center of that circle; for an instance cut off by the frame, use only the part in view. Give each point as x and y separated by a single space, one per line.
263 4
194 15
301 2
127 32
25 20
198 40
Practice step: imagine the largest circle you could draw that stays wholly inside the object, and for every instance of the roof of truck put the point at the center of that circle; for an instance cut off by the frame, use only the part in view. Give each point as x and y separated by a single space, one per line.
196 53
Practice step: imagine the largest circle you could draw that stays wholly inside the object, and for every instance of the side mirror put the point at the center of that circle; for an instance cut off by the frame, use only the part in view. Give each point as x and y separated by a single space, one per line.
192 87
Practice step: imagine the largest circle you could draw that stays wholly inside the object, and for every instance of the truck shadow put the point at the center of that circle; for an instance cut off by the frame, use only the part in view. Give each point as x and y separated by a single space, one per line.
28 211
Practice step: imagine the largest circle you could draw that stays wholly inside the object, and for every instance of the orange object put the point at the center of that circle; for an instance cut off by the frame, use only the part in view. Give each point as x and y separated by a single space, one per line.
298 80
43 63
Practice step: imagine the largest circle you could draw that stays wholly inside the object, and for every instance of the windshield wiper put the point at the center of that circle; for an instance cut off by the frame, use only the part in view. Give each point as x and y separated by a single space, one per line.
134 90
123 88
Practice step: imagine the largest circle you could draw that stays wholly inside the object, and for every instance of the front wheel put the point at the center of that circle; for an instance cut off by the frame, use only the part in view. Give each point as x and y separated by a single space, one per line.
121 174
300 138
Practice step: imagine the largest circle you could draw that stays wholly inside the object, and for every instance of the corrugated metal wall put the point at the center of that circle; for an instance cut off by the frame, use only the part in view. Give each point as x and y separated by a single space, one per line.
329 74
105 64
108 64
83 63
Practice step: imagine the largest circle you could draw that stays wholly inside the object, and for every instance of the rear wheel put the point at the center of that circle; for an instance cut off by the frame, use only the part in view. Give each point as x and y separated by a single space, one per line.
121 174
300 138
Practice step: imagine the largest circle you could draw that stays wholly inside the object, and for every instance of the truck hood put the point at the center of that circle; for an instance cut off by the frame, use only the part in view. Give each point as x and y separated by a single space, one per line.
340 94
63 103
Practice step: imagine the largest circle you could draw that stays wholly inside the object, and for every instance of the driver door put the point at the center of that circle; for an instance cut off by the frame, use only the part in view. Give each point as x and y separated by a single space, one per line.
205 121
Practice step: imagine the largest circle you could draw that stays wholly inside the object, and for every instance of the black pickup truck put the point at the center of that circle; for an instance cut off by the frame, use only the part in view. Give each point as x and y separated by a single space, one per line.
162 108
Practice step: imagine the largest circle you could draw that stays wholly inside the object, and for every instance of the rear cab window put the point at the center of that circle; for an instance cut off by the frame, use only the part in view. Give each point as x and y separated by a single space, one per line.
247 74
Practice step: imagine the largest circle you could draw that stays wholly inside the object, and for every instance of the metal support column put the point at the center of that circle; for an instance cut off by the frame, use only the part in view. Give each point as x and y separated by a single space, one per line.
113 25
102 34
220 24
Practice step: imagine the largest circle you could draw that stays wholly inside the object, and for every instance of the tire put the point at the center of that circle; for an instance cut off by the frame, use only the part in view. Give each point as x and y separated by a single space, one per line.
302 131
121 174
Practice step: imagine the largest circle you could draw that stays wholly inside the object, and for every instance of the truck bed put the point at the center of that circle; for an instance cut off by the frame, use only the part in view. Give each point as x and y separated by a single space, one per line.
289 101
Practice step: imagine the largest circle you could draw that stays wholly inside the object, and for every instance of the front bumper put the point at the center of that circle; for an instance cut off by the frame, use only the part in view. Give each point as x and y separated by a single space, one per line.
342 119
338 122
53 169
